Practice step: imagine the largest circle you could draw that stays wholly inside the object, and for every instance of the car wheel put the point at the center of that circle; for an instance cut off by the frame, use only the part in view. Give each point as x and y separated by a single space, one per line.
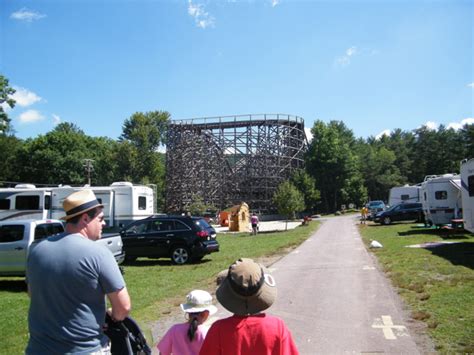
180 255
386 220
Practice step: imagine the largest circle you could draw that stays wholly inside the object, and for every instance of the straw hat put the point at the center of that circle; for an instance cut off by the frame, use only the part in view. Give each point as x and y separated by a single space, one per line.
79 202
198 301
247 289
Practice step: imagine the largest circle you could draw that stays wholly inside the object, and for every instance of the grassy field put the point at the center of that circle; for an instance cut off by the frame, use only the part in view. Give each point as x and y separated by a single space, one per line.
156 286
437 283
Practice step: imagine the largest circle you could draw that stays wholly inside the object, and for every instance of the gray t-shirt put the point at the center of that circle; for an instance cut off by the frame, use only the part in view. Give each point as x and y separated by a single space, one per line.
68 276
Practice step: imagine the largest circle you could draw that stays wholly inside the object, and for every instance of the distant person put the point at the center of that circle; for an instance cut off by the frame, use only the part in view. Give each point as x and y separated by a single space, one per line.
187 338
68 277
363 214
254 222
246 291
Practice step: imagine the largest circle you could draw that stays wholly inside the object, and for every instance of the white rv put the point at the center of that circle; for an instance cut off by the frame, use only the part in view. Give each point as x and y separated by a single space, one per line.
467 192
123 202
406 193
441 198
25 201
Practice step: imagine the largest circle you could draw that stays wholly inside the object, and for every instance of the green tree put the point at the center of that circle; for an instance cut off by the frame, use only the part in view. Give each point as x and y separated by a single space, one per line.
306 185
6 93
331 160
288 200
58 157
142 134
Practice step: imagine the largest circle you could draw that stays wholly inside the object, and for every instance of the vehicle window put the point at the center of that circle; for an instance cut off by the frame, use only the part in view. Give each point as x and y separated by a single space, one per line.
27 202
405 197
45 230
138 228
202 223
165 225
180 226
57 228
4 204
424 196
11 233
441 195
470 185
142 202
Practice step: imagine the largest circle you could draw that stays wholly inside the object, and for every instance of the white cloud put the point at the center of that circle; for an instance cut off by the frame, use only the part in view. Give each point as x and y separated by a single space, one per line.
201 17
30 116
385 132
345 60
56 119
308 133
458 125
23 97
26 15
431 125
471 85
275 3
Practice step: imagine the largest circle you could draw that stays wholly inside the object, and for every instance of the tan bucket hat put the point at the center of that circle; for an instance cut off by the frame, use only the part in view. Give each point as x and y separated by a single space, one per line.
79 202
248 288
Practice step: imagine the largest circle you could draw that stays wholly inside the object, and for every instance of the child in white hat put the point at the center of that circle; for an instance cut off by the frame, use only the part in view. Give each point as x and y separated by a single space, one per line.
187 338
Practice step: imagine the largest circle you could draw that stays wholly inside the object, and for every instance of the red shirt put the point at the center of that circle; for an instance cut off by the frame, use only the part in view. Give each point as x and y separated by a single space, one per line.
258 334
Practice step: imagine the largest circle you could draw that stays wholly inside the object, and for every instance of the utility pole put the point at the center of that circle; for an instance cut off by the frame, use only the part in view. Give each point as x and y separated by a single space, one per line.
89 169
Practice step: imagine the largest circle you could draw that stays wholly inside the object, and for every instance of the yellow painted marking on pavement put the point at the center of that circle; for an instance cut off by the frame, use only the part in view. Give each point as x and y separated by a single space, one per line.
368 268
387 326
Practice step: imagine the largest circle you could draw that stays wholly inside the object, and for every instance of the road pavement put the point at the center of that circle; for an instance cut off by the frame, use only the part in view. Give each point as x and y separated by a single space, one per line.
334 299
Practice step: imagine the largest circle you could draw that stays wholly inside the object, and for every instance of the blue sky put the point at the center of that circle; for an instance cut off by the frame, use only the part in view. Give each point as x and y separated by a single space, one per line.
375 65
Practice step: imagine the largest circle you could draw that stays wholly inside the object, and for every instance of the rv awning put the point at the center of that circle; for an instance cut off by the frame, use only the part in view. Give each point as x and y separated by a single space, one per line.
456 183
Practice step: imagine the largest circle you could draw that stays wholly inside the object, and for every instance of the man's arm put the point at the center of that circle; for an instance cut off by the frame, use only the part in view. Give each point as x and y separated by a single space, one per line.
121 305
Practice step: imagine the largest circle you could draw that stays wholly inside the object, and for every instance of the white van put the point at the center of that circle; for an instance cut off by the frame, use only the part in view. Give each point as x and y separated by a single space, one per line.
441 198
467 193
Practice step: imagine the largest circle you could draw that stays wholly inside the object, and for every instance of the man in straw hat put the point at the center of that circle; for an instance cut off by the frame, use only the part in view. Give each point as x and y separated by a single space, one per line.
68 276
247 290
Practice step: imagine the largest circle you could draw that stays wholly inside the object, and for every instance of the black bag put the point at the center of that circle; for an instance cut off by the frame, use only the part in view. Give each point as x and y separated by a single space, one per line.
126 337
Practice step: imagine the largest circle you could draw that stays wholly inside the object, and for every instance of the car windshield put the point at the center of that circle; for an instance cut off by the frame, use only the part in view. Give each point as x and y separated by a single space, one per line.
375 204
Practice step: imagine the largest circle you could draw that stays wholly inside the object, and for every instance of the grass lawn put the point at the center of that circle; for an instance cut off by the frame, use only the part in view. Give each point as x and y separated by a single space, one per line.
437 283
155 286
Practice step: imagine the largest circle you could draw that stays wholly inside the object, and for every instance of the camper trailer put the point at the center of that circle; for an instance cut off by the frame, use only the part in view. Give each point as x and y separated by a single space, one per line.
25 201
406 193
123 202
467 193
441 198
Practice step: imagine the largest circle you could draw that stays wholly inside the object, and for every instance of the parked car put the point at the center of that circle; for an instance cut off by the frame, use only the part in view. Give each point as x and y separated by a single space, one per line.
375 207
181 238
401 212
17 236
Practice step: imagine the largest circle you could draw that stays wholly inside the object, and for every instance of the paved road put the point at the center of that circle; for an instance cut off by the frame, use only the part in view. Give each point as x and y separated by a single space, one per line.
334 299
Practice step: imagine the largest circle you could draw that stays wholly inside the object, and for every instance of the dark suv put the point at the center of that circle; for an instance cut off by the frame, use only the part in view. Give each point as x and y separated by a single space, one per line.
401 212
181 238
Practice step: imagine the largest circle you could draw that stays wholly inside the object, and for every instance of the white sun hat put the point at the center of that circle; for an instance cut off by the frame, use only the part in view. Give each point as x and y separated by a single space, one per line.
198 301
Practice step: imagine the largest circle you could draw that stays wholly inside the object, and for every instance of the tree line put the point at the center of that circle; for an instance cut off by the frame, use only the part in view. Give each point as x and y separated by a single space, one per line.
340 169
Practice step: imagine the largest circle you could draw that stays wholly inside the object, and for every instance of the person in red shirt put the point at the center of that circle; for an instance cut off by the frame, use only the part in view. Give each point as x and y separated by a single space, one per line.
246 291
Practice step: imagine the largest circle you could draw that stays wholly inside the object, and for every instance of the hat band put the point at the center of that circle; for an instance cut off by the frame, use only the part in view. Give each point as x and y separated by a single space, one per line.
246 291
82 207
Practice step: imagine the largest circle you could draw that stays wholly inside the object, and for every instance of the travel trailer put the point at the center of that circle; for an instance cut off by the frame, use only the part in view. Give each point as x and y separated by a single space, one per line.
406 193
467 193
441 198
123 202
